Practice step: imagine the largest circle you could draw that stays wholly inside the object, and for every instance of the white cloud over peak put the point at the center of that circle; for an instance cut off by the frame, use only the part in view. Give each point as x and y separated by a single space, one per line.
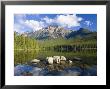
68 20
64 20
35 25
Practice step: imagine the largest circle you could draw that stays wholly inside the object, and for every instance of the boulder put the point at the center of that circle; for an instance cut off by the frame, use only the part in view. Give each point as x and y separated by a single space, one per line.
50 60
63 58
70 61
35 61
56 59
62 62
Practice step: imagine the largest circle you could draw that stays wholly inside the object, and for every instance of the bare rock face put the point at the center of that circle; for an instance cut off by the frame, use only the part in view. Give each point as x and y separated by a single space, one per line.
51 32
54 32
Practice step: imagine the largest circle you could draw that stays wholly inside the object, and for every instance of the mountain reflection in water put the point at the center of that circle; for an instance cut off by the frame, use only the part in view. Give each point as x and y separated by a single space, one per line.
27 70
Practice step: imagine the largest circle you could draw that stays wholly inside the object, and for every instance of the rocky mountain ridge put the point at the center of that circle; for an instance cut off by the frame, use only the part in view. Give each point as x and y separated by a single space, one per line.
54 32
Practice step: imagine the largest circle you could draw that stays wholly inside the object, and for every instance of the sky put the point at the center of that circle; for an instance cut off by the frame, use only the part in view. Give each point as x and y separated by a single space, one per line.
34 22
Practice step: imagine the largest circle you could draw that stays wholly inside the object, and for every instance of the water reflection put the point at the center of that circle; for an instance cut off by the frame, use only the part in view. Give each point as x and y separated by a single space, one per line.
24 56
26 70
23 67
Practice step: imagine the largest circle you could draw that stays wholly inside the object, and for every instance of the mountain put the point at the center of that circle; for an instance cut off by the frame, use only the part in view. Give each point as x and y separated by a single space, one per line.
83 33
53 32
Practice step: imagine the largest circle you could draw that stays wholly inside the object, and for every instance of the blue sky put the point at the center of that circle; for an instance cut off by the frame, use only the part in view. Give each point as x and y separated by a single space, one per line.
34 22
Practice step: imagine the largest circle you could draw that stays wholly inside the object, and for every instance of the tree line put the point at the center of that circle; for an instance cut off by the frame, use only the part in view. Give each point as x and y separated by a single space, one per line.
24 42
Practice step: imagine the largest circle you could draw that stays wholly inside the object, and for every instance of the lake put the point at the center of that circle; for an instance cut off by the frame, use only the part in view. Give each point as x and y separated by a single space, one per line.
24 67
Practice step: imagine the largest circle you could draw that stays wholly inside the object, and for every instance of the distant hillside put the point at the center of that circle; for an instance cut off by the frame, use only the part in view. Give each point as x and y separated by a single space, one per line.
83 33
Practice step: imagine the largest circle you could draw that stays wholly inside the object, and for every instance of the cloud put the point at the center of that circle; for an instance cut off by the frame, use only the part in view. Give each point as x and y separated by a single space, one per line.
22 24
21 28
48 20
35 25
68 20
16 28
88 23
19 25
64 20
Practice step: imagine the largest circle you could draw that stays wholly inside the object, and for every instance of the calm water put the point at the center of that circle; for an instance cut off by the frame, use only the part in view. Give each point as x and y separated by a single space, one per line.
23 67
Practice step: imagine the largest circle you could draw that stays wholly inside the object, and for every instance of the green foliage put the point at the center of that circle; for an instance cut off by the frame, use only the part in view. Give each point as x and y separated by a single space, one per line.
60 41
24 42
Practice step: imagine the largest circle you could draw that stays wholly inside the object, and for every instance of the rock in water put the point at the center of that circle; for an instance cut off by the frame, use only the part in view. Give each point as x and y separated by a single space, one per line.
63 58
56 59
77 59
50 60
70 61
35 61
63 62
